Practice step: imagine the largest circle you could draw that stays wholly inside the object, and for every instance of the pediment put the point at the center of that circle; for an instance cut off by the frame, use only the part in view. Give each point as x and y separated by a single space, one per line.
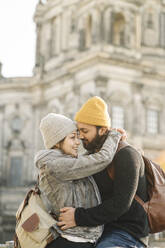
154 102
120 97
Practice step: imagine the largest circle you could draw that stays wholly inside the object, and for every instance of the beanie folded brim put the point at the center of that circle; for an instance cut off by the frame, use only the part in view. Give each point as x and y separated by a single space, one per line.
92 120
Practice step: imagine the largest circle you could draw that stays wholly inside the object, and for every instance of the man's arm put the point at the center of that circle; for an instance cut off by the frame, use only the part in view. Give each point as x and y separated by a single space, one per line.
127 164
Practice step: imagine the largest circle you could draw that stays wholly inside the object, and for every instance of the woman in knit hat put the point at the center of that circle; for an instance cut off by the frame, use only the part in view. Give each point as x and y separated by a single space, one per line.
64 178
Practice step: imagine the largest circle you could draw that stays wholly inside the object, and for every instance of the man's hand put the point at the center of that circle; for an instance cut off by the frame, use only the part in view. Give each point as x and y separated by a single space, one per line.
66 219
123 133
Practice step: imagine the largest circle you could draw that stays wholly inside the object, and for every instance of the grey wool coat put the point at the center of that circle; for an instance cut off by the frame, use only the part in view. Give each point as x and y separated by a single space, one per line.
65 181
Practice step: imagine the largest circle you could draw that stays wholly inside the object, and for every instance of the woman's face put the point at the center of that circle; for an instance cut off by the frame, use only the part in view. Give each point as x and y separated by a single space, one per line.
70 144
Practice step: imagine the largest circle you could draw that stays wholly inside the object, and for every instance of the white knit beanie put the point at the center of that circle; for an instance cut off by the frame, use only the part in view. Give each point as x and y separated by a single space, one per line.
54 128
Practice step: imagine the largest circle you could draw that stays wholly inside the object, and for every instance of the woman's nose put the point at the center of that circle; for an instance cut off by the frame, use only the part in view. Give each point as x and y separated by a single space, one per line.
78 141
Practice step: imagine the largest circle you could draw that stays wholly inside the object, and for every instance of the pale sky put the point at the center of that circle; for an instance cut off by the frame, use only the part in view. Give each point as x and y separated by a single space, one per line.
17 37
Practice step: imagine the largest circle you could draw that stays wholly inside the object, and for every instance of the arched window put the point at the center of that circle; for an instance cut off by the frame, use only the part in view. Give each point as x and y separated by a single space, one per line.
73 23
16 124
88 31
15 172
118 38
150 27
150 21
55 36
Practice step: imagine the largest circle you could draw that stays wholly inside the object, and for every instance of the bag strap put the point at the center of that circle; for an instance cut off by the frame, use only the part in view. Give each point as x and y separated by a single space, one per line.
36 188
111 170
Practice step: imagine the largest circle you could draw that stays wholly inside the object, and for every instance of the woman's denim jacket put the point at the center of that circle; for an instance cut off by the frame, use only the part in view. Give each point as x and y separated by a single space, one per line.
65 181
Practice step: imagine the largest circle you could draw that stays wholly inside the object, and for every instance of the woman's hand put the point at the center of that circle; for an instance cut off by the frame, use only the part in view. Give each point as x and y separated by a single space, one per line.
66 219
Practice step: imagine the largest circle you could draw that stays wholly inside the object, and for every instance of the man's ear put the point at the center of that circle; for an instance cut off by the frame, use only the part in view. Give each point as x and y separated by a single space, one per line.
102 131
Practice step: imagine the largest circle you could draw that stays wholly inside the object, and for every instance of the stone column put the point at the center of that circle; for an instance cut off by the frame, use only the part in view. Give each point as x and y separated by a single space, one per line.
138 31
48 40
1 70
1 141
138 118
58 34
2 145
53 37
38 45
108 19
65 27
162 30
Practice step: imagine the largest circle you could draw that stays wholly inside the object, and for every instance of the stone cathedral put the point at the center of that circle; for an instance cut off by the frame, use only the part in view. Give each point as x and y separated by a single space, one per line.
113 49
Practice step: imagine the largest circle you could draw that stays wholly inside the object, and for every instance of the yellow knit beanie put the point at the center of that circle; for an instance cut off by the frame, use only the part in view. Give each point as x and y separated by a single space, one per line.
94 112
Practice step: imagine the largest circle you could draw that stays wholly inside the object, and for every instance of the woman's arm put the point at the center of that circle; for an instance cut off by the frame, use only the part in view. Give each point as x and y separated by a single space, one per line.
68 168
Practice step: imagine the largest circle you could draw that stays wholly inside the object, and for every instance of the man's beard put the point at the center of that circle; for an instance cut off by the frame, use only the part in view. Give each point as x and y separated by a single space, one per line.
96 144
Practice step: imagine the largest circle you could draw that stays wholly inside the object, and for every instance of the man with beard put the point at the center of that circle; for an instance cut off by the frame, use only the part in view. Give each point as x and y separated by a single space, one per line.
125 220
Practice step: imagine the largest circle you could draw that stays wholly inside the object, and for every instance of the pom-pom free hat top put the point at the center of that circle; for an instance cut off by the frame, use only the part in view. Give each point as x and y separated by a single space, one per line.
94 112
54 128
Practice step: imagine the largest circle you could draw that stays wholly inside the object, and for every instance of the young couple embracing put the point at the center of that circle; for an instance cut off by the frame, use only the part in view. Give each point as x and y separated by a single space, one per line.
93 209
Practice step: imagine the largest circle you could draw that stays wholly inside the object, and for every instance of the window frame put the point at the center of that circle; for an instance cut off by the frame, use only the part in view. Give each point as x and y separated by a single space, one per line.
148 128
123 117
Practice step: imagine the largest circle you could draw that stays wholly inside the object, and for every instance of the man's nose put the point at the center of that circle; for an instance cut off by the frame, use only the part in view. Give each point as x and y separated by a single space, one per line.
81 136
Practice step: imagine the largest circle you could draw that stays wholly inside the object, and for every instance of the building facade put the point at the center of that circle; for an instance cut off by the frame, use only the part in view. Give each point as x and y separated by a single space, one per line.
113 49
